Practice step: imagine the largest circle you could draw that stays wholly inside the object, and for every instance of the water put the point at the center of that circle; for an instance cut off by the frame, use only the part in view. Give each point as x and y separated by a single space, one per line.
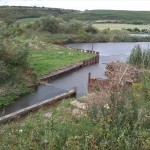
140 35
108 52
43 92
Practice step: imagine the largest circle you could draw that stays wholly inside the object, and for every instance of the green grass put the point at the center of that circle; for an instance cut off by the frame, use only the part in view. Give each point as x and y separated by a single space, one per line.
114 26
53 57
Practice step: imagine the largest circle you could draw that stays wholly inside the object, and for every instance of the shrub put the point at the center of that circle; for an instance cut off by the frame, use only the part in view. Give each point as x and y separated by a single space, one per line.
91 29
49 23
136 30
144 30
74 26
14 77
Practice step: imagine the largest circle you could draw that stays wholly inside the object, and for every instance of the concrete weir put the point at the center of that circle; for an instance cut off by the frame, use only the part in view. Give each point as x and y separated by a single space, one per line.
37 106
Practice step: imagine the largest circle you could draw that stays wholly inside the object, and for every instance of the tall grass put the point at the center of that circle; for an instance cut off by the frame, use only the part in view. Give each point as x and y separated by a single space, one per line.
140 57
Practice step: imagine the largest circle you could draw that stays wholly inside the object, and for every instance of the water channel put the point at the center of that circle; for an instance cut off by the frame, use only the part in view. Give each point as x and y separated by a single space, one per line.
108 52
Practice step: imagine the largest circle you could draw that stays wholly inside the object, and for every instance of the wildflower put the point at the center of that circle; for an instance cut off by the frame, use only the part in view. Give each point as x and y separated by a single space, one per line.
106 106
20 130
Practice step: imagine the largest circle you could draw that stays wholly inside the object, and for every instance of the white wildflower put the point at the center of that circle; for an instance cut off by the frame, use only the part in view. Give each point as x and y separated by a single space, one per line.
20 130
106 106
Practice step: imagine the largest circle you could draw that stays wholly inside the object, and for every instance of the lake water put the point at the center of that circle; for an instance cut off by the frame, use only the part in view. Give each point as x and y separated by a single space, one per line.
140 35
108 52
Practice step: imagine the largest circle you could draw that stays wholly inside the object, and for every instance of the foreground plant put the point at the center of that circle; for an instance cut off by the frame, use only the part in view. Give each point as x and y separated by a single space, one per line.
140 57
15 74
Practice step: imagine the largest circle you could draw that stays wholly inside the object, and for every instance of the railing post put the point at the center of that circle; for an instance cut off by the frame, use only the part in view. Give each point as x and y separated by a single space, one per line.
89 78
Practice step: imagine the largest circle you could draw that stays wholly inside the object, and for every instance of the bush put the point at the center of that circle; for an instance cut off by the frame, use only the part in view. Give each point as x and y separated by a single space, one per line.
91 29
49 23
14 77
136 30
74 26
144 30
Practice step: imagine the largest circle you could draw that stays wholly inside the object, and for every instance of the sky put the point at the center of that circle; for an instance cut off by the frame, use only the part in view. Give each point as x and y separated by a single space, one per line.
83 4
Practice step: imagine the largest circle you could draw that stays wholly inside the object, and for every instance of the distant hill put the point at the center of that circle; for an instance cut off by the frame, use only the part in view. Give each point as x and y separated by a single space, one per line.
12 13
121 15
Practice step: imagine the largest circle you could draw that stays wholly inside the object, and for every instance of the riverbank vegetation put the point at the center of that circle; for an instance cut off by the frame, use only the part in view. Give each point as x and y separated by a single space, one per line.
116 119
14 71
140 58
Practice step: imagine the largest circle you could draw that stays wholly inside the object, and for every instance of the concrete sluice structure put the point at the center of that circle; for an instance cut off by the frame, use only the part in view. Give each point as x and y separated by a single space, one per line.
33 98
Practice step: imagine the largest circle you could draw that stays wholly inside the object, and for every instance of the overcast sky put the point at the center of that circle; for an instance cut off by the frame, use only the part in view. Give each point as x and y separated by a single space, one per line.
83 4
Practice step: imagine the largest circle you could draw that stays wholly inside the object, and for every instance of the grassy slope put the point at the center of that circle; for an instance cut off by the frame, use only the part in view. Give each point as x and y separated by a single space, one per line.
53 57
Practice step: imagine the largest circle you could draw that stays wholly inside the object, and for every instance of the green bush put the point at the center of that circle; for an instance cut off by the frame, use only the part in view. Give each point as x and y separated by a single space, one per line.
136 30
48 23
91 29
14 67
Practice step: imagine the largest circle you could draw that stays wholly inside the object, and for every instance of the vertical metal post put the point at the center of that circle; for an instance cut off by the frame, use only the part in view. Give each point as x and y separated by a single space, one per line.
89 77
92 47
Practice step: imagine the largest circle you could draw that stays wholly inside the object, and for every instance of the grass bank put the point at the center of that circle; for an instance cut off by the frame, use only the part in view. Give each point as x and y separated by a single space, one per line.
54 57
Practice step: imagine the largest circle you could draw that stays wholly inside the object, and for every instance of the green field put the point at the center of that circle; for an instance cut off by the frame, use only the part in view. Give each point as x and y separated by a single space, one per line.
120 26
